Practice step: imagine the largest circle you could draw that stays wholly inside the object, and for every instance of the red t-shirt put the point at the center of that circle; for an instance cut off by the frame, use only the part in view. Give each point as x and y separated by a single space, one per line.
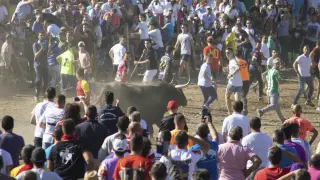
214 51
130 162
316 55
304 126
271 173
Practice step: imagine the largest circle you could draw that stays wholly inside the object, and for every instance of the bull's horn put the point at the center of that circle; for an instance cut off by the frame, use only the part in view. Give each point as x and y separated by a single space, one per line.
184 85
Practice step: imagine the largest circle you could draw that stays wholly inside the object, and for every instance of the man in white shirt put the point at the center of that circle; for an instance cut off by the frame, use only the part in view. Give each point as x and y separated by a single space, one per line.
235 81
236 119
184 160
258 142
109 6
155 35
38 158
232 11
37 113
186 44
49 119
116 53
302 66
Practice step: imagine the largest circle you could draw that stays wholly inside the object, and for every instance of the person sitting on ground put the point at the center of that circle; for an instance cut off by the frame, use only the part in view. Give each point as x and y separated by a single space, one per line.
26 157
9 141
158 171
180 124
136 117
233 157
167 123
273 172
38 158
70 144
209 160
3 176
236 119
107 145
304 124
91 132
258 142
180 157
109 114
134 161
119 147
287 129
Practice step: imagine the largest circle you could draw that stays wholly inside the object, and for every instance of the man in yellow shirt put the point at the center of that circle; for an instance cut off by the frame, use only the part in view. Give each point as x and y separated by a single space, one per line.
67 70
180 123
82 89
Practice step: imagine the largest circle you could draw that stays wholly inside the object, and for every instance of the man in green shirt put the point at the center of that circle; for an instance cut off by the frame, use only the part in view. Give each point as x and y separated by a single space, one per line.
272 76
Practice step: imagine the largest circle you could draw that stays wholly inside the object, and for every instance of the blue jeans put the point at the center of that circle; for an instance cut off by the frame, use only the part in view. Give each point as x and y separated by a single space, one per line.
302 81
209 95
41 82
274 105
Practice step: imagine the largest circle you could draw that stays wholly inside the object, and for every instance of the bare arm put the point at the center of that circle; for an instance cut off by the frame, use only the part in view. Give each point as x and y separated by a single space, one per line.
314 136
293 157
212 129
50 165
256 163
295 67
89 160
289 176
203 145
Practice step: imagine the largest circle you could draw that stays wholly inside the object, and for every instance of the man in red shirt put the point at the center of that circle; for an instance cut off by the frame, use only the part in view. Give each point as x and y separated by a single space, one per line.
215 54
273 172
134 163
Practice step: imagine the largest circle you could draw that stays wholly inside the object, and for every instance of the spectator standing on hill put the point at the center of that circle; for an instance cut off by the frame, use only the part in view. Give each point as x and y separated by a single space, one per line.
9 141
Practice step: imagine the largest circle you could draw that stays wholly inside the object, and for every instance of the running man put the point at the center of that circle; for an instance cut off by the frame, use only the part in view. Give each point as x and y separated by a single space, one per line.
272 76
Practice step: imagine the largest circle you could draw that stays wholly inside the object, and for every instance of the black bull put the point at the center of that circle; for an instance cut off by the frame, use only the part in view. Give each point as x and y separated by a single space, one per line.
150 100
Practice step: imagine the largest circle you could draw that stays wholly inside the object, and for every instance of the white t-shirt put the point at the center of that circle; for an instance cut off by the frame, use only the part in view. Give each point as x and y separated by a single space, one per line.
50 117
251 39
232 13
266 52
42 175
236 79
143 30
236 119
118 51
259 143
185 41
3 13
37 112
312 30
7 161
304 64
156 37
190 160
54 30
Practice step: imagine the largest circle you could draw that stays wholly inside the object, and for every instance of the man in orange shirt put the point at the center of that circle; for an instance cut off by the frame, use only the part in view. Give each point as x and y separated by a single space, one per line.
244 73
180 123
304 125
215 54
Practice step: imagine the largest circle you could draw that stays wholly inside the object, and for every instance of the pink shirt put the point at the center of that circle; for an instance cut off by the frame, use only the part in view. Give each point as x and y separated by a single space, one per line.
122 68
314 173
233 159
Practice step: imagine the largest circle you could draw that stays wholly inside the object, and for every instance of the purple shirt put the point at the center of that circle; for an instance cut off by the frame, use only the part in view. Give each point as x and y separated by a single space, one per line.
298 148
314 173
107 167
13 144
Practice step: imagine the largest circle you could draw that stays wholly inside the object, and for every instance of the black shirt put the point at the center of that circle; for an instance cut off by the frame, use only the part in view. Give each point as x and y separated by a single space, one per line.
108 116
92 135
297 37
241 37
67 159
151 56
167 123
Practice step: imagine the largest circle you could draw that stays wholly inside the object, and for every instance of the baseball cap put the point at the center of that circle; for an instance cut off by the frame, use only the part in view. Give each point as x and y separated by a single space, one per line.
276 61
38 155
81 44
120 145
172 105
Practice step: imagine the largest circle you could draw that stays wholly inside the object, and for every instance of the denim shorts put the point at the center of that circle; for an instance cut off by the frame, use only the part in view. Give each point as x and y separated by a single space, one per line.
185 57
234 89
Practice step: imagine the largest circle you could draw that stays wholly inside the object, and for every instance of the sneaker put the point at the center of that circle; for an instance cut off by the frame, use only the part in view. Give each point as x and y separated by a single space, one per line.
318 108
260 112
292 105
309 103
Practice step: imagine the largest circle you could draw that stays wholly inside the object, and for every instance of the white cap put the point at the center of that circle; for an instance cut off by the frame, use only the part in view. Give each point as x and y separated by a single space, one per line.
120 145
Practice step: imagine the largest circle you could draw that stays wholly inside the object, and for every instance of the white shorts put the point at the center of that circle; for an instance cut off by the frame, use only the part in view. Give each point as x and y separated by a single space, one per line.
149 75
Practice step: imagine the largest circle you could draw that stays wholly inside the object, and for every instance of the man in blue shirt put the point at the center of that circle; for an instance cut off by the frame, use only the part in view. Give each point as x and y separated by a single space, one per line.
206 82
40 51
54 67
168 29
209 160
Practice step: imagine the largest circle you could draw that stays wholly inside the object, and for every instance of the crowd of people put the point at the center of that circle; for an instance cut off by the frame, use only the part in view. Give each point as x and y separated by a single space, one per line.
61 47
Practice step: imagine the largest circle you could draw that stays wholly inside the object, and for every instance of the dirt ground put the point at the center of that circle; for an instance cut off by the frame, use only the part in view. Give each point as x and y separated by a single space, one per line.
17 101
